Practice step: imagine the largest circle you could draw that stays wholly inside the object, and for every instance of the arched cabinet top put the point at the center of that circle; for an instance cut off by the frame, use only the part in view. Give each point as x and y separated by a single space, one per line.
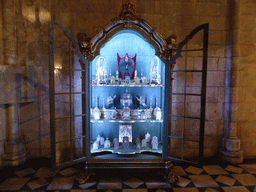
127 19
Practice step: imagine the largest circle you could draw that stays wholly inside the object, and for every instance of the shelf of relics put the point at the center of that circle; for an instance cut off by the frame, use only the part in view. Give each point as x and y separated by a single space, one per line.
135 116
124 78
127 148
123 84
141 113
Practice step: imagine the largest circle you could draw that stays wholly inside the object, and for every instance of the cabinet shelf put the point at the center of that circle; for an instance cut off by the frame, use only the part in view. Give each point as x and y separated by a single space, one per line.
126 121
125 85
132 150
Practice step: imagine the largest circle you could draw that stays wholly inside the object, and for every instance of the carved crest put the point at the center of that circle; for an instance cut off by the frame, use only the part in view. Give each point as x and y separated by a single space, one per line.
128 12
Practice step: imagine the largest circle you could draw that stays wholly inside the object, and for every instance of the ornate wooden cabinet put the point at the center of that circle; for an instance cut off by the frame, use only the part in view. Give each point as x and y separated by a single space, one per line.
120 96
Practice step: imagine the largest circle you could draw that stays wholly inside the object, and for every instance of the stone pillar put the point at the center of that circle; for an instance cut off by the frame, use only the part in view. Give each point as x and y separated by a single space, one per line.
230 149
13 148
9 35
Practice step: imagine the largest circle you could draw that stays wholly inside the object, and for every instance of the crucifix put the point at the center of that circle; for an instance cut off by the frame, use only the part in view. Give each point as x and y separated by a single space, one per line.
126 59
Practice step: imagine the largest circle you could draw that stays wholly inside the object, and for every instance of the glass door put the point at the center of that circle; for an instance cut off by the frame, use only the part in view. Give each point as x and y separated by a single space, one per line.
68 92
185 98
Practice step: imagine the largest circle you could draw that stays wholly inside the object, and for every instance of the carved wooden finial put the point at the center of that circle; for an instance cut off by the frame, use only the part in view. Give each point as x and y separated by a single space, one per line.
128 12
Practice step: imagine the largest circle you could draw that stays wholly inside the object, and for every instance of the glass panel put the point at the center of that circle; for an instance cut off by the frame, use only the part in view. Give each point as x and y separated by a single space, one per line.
198 63
79 148
62 129
176 127
61 80
62 105
77 104
193 51
78 129
193 110
193 99
61 70
190 63
193 79
178 82
178 107
76 63
60 40
180 64
174 148
193 90
63 151
192 129
197 40
77 81
191 151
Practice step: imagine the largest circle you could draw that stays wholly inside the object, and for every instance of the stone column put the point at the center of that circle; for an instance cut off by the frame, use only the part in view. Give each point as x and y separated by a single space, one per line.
13 148
9 35
230 149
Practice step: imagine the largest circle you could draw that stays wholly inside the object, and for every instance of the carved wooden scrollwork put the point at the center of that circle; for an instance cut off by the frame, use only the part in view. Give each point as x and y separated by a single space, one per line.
85 45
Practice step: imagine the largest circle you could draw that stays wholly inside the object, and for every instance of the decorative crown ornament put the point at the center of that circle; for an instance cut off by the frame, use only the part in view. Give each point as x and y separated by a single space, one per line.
128 12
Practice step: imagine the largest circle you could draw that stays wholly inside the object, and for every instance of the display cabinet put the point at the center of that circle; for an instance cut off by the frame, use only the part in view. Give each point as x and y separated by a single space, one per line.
121 95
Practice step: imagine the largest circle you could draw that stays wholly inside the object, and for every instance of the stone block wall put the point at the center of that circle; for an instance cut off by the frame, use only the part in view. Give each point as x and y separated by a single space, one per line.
167 17
245 79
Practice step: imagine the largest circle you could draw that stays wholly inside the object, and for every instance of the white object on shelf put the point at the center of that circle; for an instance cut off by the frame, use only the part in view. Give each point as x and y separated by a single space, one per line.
157 112
148 137
107 144
144 143
95 145
102 140
96 111
154 143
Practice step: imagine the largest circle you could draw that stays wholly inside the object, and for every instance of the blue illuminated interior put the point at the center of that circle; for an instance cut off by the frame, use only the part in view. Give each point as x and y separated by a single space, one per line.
127 41
131 42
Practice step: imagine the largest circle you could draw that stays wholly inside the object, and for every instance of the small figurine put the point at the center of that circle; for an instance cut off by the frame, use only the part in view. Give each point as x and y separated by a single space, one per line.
157 112
96 111
116 143
126 142
98 138
141 101
143 78
144 143
138 143
101 71
136 79
154 143
148 137
102 140
112 78
155 71
136 114
110 101
95 145
126 113
107 144
144 115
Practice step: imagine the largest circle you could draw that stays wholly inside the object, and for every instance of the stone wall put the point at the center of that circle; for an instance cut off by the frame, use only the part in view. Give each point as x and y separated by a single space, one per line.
166 17
245 91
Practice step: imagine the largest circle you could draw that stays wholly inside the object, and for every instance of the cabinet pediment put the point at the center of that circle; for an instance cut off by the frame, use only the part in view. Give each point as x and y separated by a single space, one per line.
127 19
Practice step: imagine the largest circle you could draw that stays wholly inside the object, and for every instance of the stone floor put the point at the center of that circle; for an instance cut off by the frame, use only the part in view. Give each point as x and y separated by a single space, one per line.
38 176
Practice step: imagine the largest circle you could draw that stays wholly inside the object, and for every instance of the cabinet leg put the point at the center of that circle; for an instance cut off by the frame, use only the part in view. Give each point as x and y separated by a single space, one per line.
169 175
82 177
